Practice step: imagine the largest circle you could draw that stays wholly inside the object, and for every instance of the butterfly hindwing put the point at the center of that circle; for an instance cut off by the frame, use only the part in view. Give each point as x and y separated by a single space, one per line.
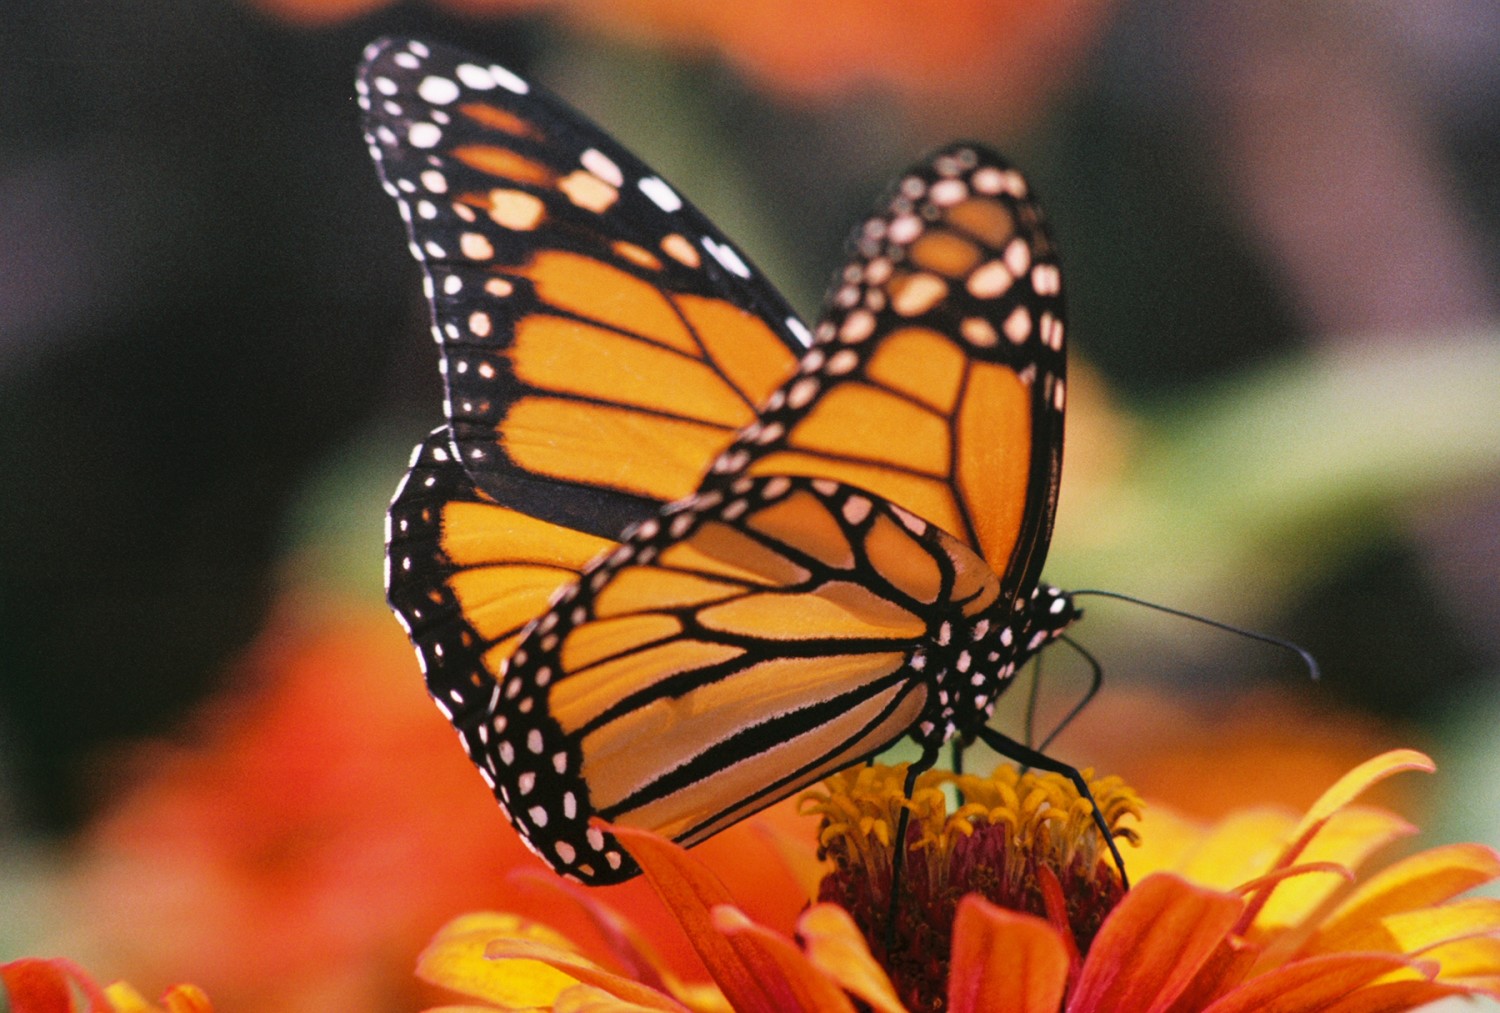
466 574
601 341
746 643
937 375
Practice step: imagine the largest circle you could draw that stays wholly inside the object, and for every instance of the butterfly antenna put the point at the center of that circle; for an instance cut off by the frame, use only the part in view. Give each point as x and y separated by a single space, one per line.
1299 650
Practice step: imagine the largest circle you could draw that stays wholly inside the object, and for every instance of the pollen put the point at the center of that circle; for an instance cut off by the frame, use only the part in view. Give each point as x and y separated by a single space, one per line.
1024 841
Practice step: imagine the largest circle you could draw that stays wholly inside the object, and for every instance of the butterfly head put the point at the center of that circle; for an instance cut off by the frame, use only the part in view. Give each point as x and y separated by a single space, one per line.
970 663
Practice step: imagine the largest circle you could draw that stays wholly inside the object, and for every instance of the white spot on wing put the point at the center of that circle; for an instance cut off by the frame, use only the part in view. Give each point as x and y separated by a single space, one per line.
438 90
509 81
726 256
603 166
474 77
424 135
660 194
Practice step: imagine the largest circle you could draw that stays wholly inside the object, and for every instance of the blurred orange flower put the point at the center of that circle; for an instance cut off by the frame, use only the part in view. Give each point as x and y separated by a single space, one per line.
1011 54
54 986
1298 933
318 829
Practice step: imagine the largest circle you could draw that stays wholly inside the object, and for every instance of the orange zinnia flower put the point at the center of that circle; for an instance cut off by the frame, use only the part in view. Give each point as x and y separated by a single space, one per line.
35 985
1262 910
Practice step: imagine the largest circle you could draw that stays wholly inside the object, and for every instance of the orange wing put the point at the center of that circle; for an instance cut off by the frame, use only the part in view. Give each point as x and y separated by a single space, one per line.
748 642
601 341
936 379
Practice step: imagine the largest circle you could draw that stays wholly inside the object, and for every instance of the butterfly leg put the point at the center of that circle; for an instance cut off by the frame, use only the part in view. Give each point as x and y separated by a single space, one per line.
1007 746
898 854
1096 680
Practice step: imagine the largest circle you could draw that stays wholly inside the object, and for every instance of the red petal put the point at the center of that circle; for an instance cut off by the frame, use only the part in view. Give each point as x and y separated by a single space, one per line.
1307 984
1152 945
626 943
797 984
33 985
1004 961
1393 997
690 892
1230 963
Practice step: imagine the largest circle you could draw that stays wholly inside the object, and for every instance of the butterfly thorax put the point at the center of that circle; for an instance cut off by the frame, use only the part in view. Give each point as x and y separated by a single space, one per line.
970 662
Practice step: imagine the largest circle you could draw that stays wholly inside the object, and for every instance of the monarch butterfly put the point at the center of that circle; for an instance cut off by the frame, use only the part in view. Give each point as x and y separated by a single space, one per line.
673 556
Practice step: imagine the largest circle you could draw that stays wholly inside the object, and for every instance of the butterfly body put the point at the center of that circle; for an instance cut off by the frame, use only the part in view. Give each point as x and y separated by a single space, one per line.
674 556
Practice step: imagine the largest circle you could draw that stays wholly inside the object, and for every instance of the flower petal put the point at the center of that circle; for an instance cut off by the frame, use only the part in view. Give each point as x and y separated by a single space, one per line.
797 986
456 959
690 892
1474 961
1416 931
178 999
585 971
1307 984
588 999
1331 807
834 946
1359 780
186 999
1004 961
1347 838
626 943
1393 997
1235 849
1152 945
34 985
1422 880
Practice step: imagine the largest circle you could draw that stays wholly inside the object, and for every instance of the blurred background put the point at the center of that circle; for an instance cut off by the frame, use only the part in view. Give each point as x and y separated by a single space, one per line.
1280 226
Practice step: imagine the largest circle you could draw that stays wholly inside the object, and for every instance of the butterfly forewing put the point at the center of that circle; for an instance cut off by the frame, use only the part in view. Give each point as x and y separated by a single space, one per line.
937 375
745 644
601 340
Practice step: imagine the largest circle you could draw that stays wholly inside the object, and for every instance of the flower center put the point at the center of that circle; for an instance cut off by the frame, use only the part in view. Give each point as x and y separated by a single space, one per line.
1024 841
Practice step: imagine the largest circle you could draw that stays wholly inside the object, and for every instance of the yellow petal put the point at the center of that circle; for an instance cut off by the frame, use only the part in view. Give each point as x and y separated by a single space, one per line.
1347 838
1416 931
1422 880
834 946
1355 783
638 995
1168 840
1240 847
123 998
588 999
456 959
1473 959
186 999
